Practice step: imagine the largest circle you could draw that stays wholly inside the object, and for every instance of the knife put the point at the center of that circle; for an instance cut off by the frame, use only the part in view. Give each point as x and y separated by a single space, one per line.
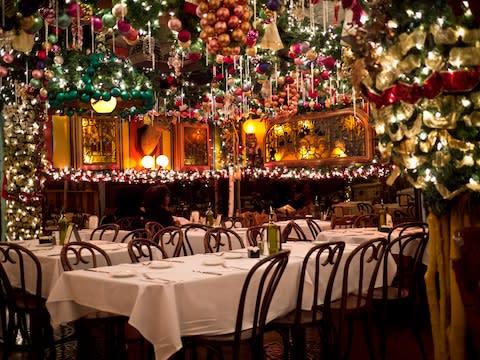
207 272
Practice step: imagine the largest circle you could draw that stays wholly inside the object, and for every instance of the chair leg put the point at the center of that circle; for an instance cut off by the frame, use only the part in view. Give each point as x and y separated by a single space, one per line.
416 330
368 334
348 348
285 335
299 344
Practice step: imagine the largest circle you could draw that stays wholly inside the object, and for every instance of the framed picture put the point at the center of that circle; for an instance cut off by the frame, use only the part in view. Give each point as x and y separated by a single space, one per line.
97 142
313 139
193 147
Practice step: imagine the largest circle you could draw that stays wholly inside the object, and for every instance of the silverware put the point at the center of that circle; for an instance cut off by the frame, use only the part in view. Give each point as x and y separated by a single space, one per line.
97 270
207 272
173 261
148 277
234 267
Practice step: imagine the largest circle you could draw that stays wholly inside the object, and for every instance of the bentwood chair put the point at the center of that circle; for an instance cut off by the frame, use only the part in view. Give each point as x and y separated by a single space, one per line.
324 259
25 314
83 255
143 250
130 223
314 228
232 222
221 239
152 228
356 300
407 250
366 220
256 234
170 239
258 290
404 228
99 232
188 237
365 208
293 232
135 234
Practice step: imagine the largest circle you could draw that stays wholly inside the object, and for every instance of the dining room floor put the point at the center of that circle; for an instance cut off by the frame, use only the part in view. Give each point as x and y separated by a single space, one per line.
401 345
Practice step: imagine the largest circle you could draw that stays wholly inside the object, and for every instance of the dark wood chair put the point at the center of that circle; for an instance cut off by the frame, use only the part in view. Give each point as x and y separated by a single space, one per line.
345 222
293 232
314 228
221 239
187 240
366 220
400 217
260 285
24 311
468 278
152 228
365 208
324 259
170 239
404 228
135 234
143 250
407 250
98 233
130 223
356 302
83 255
233 222
255 235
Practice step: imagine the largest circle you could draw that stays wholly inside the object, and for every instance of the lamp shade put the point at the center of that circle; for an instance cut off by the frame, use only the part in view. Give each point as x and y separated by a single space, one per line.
104 107
148 162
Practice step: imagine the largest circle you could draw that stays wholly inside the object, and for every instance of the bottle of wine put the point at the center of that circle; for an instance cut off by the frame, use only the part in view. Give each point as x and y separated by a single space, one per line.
316 208
273 235
382 216
209 215
62 228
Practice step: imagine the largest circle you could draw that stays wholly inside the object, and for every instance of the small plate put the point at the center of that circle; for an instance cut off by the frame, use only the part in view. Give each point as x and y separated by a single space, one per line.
46 245
232 255
160 265
122 273
212 261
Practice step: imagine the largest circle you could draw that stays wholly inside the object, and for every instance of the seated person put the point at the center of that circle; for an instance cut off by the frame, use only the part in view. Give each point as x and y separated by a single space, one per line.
156 200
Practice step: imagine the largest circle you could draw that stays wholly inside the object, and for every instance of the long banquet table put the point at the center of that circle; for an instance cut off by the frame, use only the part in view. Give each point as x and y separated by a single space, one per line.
179 300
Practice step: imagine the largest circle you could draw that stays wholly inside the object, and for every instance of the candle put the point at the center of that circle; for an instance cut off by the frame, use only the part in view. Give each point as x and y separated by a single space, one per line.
231 192
311 74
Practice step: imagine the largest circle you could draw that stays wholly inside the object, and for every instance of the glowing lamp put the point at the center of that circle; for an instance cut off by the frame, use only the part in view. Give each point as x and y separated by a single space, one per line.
252 126
162 161
104 107
148 162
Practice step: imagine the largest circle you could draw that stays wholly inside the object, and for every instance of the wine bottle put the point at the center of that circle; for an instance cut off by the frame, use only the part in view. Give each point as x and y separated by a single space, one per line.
382 216
209 215
273 235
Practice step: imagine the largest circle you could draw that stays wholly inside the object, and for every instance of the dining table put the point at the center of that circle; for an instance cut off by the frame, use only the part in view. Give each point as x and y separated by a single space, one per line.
49 257
191 295
302 223
108 235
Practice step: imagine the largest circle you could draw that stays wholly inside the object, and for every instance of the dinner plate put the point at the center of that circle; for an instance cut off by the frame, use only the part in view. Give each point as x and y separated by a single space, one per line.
160 265
122 273
214 260
232 255
47 245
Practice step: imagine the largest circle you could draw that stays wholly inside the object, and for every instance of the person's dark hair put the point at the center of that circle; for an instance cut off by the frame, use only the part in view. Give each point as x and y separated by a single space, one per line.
155 195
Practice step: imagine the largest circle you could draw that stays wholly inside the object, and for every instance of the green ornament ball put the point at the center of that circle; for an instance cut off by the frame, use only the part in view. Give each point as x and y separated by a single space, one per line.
89 88
85 98
70 112
60 97
90 71
35 83
136 94
115 92
97 95
109 20
64 21
124 95
53 38
106 96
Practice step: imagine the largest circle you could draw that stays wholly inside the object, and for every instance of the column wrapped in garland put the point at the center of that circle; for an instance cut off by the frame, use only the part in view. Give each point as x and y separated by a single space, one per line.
418 63
24 163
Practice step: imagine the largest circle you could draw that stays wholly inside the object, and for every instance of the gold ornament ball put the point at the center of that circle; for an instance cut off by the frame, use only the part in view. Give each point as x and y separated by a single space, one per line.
224 40
119 10
203 7
203 35
229 3
220 27
251 51
210 31
47 45
203 21
311 55
245 26
211 18
48 74
214 4
316 72
237 34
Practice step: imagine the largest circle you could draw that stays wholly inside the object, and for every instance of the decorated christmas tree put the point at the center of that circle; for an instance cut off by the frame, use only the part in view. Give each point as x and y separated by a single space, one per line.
418 64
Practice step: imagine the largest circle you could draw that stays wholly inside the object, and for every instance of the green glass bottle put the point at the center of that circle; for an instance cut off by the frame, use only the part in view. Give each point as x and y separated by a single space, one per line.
273 235
382 216
209 215
62 228
316 209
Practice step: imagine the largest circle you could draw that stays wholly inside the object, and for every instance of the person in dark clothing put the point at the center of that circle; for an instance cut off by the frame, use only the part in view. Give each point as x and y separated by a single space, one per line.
156 200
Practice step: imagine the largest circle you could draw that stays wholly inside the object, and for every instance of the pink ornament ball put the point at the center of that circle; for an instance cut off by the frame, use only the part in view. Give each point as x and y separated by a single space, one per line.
8 58
73 10
123 26
97 23
37 74
174 24
3 71
184 36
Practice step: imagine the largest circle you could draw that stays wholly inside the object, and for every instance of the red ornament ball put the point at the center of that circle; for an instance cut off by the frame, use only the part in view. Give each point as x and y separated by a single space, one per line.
184 36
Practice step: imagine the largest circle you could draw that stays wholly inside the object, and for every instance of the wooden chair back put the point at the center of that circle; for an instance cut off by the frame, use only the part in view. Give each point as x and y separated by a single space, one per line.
314 227
135 234
130 223
188 238
143 249
83 255
152 228
366 220
98 233
293 232
255 235
221 239
170 238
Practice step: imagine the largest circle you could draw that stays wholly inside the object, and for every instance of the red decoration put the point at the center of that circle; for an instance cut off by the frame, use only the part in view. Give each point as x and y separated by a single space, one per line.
189 8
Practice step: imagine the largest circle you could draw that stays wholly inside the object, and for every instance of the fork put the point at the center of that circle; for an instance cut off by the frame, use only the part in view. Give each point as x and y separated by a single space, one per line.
148 277
234 267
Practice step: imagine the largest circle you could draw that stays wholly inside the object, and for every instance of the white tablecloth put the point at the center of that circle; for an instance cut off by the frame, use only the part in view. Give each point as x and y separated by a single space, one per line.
193 303
196 237
51 265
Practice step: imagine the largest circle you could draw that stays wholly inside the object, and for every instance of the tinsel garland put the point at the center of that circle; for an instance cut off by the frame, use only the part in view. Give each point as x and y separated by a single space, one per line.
349 173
